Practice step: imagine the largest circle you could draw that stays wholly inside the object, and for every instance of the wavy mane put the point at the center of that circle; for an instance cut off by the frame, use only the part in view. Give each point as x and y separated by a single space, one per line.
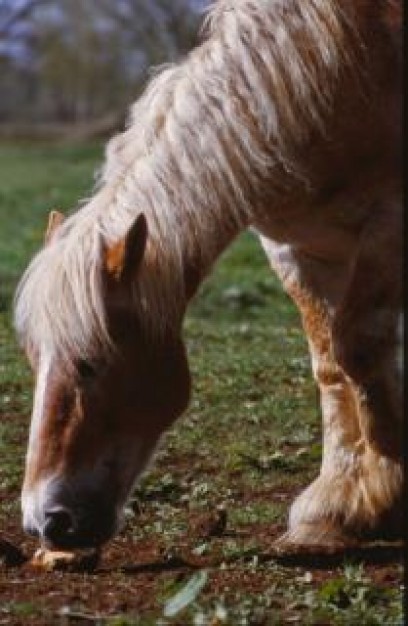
200 145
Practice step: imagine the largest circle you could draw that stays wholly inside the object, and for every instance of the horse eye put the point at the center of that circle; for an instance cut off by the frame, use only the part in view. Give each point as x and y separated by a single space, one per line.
86 370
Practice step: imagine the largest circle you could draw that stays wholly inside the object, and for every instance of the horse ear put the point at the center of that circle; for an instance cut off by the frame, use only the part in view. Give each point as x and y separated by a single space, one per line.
55 220
124 257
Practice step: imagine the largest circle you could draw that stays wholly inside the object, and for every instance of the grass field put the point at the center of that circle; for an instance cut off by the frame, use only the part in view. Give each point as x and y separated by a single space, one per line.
249 442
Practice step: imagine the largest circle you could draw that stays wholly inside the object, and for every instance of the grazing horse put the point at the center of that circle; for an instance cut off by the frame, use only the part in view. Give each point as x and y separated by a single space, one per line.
285 119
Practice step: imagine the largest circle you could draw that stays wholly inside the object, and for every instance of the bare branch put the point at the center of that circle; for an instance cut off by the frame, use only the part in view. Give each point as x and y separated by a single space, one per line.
18 15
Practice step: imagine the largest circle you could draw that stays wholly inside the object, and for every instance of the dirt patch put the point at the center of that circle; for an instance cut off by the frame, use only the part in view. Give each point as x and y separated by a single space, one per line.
134 577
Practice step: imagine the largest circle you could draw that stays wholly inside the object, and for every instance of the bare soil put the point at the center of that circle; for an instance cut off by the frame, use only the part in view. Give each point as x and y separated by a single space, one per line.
132 576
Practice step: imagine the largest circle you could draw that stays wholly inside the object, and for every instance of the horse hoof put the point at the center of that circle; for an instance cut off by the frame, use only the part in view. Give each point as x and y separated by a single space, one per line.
319 538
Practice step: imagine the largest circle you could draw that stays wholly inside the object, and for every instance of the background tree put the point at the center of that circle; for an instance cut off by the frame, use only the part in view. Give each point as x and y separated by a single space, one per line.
76 60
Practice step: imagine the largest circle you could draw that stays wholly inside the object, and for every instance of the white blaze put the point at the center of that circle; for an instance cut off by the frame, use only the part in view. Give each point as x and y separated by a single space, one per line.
28 499
44 368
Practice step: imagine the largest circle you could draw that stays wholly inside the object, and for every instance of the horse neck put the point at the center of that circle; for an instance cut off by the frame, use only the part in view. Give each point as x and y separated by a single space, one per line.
213 136
198 259
185 254
190 223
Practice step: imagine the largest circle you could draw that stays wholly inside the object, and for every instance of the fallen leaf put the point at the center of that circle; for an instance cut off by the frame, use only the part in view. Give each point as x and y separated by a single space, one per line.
186 595
58 560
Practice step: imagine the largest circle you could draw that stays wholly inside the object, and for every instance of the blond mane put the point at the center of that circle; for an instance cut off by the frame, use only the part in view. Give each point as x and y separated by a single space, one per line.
200 145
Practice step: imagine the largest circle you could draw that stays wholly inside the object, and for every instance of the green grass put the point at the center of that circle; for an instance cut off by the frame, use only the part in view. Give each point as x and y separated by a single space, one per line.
253 426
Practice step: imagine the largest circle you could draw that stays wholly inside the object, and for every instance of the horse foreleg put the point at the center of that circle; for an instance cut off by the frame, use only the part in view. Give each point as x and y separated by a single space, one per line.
343 504
367 333
328 510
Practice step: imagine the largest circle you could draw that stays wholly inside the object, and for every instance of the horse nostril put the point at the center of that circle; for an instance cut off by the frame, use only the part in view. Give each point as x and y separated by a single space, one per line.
59 525
86 523
30 530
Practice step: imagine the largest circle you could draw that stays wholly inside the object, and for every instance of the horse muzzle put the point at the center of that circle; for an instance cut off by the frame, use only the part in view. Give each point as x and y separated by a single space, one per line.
69 518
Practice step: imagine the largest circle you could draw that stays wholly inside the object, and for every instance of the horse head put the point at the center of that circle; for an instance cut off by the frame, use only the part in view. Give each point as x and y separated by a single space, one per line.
96 420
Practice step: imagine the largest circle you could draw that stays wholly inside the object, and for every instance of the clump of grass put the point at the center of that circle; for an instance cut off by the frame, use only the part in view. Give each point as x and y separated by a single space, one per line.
354 598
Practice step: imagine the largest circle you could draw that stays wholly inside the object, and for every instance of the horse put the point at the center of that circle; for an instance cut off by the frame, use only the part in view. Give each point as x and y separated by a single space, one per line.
285 119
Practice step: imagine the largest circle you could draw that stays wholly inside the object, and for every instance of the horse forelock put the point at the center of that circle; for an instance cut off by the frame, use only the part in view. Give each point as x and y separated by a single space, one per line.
59 303
203 138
